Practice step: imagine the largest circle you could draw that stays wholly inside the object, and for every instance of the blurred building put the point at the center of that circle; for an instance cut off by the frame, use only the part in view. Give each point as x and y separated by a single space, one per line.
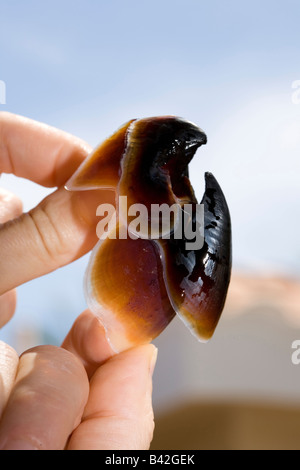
242 389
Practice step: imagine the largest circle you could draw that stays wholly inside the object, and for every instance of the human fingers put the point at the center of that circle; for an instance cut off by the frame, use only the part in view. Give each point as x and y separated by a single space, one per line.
10 208
8 304
9 361
38 152
88 342
61 229
119 414
46 401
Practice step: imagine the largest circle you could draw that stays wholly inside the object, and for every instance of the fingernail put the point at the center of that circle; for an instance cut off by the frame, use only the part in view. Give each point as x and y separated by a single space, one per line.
153 360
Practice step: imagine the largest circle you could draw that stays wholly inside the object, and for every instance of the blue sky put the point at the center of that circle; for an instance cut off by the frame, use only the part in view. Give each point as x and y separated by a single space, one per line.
88 66
100 58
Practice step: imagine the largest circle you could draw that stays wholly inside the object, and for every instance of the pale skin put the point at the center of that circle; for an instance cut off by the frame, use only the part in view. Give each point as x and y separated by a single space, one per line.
80 395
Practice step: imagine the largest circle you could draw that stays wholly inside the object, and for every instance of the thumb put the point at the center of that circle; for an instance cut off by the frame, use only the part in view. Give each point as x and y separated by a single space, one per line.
119 414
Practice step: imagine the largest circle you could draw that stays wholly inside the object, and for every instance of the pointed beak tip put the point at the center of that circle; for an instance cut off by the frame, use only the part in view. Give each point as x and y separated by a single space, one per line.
204 138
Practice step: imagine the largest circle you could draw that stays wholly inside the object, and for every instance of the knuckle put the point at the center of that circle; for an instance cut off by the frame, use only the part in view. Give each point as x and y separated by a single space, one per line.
51 240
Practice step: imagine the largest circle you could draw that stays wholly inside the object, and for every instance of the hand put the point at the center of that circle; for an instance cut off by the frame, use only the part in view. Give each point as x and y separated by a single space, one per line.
48 401
79 396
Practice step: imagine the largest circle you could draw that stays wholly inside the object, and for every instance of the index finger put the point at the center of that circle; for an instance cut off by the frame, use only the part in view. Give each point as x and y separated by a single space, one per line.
38 152
62 227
